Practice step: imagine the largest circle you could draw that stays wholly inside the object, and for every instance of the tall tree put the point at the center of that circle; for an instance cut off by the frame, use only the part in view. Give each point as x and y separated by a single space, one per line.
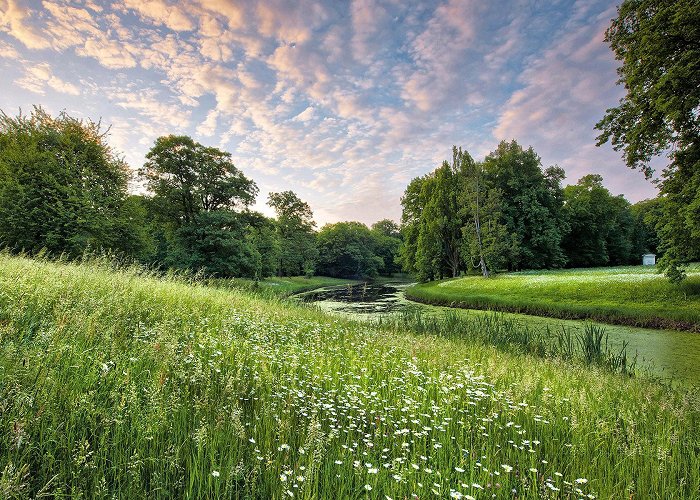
198 195
63 188
532 206
658 44
188 178
485 240
295 226
439 226
647 215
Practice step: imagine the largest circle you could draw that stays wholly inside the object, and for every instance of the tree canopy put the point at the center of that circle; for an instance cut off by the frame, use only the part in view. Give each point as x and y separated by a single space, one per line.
658 44
62 188
347 250
295 228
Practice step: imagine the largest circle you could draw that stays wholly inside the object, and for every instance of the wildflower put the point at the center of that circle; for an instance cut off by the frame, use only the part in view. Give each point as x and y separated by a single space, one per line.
338 462
372 471
368 487
459 469
507 468
582 480
215 473
252 440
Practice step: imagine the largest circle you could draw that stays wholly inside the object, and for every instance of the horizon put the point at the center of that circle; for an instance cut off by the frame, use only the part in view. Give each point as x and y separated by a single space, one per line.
344 106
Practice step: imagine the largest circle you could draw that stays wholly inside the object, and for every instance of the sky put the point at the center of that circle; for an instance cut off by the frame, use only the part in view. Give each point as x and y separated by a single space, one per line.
341 101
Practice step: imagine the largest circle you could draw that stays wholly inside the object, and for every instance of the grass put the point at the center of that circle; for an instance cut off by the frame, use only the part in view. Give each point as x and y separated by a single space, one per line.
280 286
634 296
114 383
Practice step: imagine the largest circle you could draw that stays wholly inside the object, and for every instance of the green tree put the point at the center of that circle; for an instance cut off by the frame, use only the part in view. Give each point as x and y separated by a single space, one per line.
295 227
600 225
658 44
187 178
198 195
387 241
63 188
531 208
485 242
217 243
346 250
432 226
647 215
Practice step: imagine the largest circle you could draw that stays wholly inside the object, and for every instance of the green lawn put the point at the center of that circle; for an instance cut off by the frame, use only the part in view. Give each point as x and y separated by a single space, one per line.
115 383
636 296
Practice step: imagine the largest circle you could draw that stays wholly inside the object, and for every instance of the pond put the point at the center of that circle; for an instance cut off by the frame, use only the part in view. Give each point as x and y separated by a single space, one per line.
668 354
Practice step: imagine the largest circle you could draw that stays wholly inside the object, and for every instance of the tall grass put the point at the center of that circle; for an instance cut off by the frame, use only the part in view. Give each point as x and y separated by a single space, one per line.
589 346
117 383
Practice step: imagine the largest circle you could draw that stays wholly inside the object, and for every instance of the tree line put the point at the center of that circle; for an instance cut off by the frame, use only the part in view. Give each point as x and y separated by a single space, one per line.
508 213
64 190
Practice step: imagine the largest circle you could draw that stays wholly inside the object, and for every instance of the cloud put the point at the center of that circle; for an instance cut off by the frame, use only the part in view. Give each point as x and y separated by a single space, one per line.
343 101
40 77
169 14
208 126
564 92
13 20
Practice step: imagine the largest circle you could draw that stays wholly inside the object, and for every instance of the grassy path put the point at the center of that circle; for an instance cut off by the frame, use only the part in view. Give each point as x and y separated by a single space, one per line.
118 383
634 296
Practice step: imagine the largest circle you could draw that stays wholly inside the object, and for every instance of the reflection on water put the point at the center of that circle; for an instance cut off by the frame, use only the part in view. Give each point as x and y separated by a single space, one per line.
666 353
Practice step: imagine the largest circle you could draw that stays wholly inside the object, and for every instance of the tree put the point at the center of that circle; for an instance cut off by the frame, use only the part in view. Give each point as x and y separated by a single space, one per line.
387 241
485 239
532 206
295 227
658 44
600 225
63 188
432 227
197 196
187 178
346 250
647 215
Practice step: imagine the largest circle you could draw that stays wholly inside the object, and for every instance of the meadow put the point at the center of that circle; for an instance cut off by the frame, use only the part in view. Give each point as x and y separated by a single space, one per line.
631 295
115 382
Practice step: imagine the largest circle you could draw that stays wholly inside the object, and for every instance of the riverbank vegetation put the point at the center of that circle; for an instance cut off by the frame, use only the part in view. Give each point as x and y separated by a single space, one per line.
635 296
116 380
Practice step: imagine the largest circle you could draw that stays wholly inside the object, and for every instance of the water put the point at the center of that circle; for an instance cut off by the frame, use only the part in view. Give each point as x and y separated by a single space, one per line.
669 354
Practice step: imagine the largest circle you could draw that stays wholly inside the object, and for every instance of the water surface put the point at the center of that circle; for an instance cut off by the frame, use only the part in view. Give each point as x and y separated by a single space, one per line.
668 354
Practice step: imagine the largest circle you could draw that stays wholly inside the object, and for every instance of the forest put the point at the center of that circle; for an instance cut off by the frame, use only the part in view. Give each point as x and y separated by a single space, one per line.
65 191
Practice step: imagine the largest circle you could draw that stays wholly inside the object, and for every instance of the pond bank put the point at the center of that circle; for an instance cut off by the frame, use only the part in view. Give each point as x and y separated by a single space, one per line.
667 354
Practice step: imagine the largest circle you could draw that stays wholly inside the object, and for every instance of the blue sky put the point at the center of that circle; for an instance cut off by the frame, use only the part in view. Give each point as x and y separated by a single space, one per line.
343 102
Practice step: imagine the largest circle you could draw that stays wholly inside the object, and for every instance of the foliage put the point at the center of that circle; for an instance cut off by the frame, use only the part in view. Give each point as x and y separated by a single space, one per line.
387 241
119 384
432 223
647 215
187 178
532 212
63 189
658 44
485 238
600 225
347 250
196 191
504 212
295 227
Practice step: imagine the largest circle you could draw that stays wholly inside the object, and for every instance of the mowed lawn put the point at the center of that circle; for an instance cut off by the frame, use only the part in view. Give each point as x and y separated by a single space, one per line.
635 296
